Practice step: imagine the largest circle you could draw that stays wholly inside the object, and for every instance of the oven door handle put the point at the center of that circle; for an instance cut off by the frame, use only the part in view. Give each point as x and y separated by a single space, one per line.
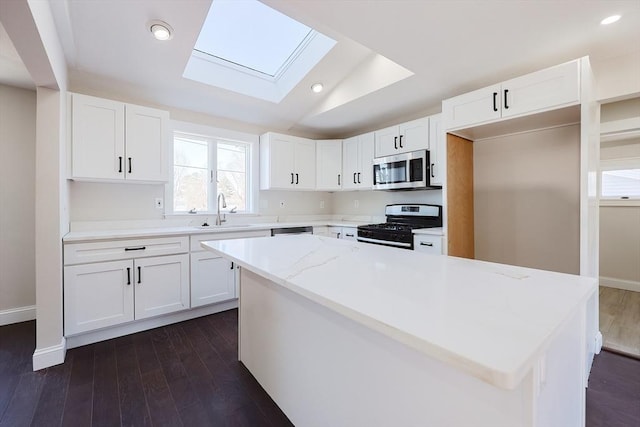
384 242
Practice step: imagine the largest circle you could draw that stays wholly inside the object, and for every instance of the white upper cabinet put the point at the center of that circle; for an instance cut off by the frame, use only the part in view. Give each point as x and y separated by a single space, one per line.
357 162
410 136
329 165
111 140
437 152
97 129
287 162
548 89
145 131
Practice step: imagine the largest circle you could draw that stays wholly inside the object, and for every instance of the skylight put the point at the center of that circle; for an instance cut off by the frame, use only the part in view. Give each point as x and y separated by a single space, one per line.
250 34
249 48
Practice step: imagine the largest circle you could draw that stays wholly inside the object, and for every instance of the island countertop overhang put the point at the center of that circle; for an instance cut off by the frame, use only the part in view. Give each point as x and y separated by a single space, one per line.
490 320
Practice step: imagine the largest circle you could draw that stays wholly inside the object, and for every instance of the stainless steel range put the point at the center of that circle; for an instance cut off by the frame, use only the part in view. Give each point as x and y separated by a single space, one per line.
401 219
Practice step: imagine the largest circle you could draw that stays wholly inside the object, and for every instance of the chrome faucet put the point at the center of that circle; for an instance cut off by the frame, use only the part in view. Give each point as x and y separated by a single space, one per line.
224 205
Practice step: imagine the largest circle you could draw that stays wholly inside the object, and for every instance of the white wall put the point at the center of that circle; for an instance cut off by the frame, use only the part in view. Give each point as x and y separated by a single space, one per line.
526 199
295 203
372 203
90 201
617 77
17 203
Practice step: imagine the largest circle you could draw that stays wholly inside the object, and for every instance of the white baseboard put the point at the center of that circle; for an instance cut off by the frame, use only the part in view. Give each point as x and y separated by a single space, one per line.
628 285
74 341
16 315
49 356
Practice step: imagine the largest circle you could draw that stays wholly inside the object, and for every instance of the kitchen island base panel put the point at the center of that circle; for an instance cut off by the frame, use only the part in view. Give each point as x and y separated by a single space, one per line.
322 369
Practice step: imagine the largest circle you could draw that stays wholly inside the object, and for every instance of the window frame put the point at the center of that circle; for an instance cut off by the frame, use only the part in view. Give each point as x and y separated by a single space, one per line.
617 164
212 135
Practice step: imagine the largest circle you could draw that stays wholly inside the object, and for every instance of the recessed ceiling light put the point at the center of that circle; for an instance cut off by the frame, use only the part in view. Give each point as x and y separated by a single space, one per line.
161 30
610 20
317 87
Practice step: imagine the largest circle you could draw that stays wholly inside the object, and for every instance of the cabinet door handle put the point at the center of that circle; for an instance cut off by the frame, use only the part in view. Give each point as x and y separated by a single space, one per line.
354 178
349 235
291 177
338 179
139 274
401 141
359 178
119 164
495 101
433 167
426 244
395 142
139 248
232 265
338 235
297 182
129 164
128 275
506 106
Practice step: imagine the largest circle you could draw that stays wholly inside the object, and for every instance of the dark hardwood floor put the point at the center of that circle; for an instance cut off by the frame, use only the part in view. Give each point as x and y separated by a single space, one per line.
182 374
188 374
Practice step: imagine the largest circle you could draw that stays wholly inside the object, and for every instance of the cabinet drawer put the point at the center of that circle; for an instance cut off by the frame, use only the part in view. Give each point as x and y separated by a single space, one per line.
83 253
428 244
196 239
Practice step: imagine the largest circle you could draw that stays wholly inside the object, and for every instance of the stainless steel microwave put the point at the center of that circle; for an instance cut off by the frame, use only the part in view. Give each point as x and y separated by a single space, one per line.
408 171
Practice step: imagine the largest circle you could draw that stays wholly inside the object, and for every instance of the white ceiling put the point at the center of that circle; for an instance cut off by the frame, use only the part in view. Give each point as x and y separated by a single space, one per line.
450 46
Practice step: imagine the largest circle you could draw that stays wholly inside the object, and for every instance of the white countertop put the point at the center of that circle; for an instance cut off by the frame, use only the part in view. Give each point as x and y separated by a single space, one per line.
436 231
490 320
84 236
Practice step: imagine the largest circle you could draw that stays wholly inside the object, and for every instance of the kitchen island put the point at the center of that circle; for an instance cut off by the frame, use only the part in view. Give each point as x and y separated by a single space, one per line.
344 333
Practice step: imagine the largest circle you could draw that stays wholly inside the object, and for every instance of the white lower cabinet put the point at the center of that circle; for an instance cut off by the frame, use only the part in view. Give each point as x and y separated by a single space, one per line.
430 244
97 295
161 285
105 294
213 279
349 233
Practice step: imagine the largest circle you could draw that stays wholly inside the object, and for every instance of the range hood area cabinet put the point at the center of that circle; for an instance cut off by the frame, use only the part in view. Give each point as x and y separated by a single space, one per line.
357 162
403 138
287 162
549 89
115 141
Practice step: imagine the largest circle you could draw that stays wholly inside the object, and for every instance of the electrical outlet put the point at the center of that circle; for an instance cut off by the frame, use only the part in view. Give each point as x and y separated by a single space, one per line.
282 203
356 204
321 204
159 203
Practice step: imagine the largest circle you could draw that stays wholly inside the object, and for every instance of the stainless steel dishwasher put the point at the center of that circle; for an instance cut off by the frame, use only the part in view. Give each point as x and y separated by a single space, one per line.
292 230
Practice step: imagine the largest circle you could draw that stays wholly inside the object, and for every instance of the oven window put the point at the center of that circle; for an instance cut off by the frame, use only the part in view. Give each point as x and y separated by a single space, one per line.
390 173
